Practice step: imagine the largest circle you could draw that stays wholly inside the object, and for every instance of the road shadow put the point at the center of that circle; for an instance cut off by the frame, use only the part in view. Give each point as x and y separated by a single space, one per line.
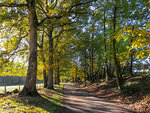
79 101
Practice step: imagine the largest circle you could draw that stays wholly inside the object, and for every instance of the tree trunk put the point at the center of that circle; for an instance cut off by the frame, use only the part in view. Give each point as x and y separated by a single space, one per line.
76 73
73 79
131 56
30 84
106 65
110 65
50 50
91 56
85 66
131 64
117 68
90 68
55 79
84 79
45 78
92 60
44 60
58 77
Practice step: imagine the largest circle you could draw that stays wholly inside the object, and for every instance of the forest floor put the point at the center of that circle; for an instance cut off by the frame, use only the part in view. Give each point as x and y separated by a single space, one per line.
49 102
135 92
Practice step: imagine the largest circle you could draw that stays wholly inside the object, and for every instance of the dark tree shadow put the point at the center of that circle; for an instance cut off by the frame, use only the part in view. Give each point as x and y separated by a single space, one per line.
80 101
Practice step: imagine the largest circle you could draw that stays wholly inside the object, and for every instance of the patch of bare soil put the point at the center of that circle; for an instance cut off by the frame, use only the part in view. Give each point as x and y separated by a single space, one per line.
135 101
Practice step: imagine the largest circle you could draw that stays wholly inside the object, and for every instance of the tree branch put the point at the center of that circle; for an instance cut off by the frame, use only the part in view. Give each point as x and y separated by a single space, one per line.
78 4
63 31
69 23
48 17
12 5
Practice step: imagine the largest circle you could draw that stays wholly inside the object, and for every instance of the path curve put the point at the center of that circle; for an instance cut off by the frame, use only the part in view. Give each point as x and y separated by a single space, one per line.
79 101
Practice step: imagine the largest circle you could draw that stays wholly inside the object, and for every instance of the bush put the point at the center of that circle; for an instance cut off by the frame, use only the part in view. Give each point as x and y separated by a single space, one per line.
129 90
135 85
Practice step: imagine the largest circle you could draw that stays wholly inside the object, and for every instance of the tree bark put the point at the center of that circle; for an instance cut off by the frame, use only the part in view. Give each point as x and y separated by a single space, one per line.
110 64
91 56
50 49
131 56
92 60
117 68
90 68
85 66
76 73
45 78
44 60
30 84
131 64
106 65
84 79
58 76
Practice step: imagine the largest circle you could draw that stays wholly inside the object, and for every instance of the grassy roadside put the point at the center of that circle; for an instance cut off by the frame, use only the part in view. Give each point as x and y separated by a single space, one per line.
49 102
135 92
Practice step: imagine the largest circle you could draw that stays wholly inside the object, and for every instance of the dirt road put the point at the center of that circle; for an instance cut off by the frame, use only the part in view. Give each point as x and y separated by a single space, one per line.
79 101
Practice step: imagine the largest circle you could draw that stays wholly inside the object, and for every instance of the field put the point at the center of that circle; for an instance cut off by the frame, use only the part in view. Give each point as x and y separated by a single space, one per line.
49 102
10 88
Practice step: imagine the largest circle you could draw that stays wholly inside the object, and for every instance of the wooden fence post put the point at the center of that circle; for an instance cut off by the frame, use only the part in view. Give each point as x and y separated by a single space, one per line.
19 87
5 88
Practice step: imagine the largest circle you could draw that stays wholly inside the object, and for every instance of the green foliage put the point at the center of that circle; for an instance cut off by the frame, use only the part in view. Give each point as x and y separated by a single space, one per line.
139 84
81 32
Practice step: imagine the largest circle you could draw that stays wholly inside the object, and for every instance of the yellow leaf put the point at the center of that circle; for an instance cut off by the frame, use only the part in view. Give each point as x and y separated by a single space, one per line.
129 31
132 34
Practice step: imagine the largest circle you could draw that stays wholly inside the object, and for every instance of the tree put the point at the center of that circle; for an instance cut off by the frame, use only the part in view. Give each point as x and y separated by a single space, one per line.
30 85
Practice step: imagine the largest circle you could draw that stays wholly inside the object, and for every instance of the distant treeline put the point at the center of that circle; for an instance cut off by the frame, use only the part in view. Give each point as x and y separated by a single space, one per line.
13 80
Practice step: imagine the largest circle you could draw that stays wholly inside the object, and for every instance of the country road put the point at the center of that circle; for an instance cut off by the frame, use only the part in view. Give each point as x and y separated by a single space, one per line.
79 101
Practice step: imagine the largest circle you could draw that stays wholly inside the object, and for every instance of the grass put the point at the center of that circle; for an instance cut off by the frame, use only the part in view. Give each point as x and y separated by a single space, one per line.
49 102
10 88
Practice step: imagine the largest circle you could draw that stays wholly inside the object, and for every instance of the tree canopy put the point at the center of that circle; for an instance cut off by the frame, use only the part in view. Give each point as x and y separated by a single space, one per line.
76 40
